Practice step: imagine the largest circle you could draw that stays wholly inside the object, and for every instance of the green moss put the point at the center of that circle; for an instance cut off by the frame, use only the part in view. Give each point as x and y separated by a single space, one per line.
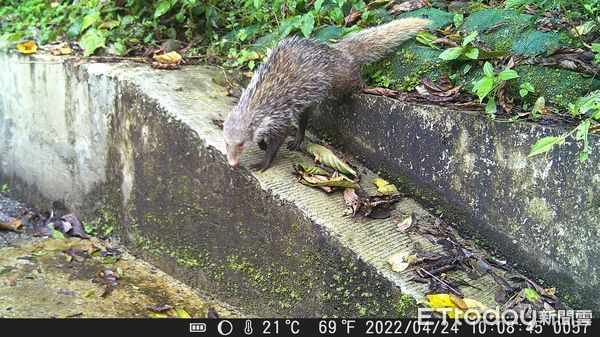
406 306
558 86
403 70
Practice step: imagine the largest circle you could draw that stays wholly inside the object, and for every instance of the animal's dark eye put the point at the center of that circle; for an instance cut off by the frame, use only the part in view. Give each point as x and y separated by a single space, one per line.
239 146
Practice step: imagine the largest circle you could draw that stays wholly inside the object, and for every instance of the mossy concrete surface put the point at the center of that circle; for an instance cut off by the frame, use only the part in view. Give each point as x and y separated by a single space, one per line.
405 68
541 212
260 241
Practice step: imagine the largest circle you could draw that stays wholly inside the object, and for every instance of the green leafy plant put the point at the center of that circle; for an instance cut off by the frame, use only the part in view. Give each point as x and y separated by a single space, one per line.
5 189
588 108
465 50
525 89
427 39
487 86
458 19
236 33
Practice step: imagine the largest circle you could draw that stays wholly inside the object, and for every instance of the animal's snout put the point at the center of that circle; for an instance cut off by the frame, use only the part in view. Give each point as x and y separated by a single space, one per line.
233 162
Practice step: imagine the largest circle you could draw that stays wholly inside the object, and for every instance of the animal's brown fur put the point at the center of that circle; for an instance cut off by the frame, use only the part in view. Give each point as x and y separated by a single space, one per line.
298 74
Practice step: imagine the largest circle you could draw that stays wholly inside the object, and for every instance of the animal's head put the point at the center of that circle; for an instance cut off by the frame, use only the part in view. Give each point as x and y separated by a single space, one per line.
239 134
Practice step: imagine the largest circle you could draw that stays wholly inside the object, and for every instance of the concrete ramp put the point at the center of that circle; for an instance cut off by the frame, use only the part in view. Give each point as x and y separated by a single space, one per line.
126 144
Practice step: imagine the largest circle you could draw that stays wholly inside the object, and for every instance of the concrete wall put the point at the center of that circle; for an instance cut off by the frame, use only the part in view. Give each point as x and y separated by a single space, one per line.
542 212
135 151
54 127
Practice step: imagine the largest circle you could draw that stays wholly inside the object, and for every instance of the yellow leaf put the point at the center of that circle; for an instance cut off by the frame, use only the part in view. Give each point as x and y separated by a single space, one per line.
171 57
27 47
460 305
66 51
380 182
440 301
385 187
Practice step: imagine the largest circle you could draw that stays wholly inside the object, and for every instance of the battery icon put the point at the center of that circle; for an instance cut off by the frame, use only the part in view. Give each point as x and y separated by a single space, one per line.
197 327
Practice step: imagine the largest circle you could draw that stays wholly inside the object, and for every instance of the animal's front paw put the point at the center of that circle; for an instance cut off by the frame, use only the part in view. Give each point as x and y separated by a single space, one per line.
259 167
294 145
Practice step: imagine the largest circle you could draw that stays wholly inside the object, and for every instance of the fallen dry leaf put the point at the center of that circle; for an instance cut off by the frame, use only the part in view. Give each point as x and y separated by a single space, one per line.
166 311
109 279
317 177
459 305
443 91
350 18
380 91
10 223
405 224
171 57
61 48
76 226
408 6
574 59
398 262
27 47
364 205
540 105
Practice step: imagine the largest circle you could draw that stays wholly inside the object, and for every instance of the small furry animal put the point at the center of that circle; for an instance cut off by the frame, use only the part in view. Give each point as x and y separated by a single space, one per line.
298 74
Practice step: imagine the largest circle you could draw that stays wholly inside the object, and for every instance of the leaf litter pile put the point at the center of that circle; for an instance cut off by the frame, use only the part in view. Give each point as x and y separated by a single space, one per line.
514 292
332 172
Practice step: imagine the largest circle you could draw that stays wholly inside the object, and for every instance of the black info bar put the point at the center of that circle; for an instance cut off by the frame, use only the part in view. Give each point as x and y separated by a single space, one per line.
294 327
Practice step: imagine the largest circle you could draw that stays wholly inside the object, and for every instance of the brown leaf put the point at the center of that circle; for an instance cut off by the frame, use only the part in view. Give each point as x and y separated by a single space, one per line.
350 18
404 225
408 6
352 200
363 205
445 41
9 223
380 91
438 92
494 27
574 59
76 227
443 85
165 66
503 100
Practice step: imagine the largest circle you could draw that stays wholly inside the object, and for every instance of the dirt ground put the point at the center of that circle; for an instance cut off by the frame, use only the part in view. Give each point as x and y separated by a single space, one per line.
70 277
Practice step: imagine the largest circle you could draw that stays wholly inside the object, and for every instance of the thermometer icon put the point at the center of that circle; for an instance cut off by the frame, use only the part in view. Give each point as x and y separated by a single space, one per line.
248 327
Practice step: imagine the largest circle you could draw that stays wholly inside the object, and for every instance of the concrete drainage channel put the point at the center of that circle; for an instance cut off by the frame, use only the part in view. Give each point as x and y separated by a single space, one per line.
140 150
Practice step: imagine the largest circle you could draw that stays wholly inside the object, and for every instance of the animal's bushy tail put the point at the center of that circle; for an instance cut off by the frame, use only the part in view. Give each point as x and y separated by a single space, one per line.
374 43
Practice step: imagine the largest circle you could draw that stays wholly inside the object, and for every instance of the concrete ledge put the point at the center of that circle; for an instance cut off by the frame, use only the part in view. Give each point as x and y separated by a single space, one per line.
137 150
545 214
